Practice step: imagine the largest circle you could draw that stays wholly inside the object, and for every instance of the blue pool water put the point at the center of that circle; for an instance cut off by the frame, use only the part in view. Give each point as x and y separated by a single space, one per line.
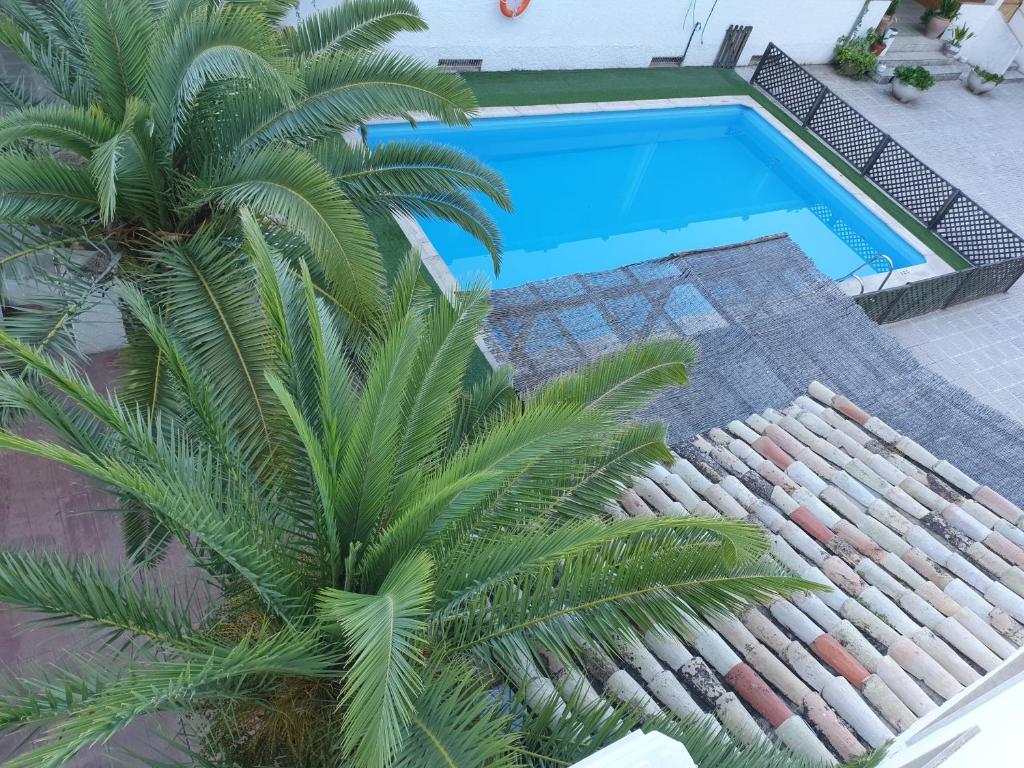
596 191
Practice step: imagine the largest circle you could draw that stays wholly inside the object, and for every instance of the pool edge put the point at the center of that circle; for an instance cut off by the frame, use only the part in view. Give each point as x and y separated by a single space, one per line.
933 265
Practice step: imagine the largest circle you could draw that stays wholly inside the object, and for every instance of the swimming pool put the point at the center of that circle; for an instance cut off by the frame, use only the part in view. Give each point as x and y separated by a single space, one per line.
594 191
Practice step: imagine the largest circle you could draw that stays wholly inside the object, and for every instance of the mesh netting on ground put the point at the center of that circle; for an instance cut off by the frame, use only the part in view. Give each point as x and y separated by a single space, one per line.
766 323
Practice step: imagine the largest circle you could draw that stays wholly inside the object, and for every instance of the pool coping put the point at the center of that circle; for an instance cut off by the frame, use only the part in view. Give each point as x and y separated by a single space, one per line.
933 265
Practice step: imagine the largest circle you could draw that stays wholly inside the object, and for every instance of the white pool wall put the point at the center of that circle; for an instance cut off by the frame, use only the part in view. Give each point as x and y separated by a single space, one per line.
593 34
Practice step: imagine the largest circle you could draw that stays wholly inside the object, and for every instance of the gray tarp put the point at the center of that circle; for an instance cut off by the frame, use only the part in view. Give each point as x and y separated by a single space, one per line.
766 323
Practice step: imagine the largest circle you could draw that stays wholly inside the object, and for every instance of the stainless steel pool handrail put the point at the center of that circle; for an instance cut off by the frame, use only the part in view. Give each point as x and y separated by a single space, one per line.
888 274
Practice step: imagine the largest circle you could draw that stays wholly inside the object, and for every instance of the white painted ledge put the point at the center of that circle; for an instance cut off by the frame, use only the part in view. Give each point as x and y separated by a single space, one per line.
640 750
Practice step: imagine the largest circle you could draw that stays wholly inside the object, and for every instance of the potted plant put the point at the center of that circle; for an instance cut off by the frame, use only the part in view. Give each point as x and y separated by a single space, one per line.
982 81
853 57
959 35
937 20
876 42
910 82
888 19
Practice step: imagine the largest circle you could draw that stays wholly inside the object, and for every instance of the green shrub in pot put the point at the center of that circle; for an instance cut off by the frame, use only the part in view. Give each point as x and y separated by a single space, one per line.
853 57
982 81
910 82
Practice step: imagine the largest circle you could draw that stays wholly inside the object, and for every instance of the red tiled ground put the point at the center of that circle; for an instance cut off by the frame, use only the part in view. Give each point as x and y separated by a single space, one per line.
46 507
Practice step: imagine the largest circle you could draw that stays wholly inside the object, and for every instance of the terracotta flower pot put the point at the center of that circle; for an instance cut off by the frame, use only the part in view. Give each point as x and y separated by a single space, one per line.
936 26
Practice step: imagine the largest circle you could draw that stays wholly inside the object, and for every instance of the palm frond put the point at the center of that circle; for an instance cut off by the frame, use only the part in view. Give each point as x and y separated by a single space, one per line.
287 185
83 592
419 180
604 592
386 634
557 734
457 721
356 25
197 505
623 381
212 674
344 91
44 190
56 64
205 292
216 45
120 50
69 128
450 340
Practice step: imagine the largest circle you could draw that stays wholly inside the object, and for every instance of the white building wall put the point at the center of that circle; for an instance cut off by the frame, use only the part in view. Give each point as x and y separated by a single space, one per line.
585 34
993 47
1017 28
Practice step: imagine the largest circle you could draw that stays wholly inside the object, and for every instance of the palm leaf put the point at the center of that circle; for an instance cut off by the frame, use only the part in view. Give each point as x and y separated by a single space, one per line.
344 91
385 632
68 128
210 674
424 180
43 189
356 25
289 186
206 296
120 50
215 45
83 592
457 721
621 382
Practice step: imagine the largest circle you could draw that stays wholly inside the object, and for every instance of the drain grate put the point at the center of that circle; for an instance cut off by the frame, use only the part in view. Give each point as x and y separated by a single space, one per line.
460 65
666 61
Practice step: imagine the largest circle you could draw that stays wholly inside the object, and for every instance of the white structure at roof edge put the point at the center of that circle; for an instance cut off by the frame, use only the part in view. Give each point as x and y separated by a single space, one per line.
567 34
640 750
980 726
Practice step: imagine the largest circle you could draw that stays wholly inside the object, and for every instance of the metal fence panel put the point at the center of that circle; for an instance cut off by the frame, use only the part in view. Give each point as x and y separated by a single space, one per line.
978 236
845 130
910 182
994 251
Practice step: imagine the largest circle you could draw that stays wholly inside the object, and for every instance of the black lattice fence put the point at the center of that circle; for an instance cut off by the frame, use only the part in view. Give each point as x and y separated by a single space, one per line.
995 253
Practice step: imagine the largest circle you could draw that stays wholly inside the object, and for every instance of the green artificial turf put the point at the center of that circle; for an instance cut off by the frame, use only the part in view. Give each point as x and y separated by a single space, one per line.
509 89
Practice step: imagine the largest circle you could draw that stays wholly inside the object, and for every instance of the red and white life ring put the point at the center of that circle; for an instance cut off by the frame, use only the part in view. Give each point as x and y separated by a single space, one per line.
510 12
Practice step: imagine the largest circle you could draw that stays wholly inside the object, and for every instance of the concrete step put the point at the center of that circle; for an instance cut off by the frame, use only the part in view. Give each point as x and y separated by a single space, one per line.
897 58
914 42
945 72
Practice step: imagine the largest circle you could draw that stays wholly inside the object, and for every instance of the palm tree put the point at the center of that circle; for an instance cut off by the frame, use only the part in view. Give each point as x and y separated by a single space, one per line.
385 543
163 117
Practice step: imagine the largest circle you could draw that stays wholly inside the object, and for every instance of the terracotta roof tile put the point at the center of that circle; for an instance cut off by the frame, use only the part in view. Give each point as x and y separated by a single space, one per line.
925 566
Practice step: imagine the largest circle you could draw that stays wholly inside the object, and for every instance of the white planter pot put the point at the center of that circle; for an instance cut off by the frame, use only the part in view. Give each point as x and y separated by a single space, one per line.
977 85
905 93
951 50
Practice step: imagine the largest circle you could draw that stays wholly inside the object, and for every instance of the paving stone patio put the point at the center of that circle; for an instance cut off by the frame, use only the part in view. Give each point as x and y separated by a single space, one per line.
46 507
974 141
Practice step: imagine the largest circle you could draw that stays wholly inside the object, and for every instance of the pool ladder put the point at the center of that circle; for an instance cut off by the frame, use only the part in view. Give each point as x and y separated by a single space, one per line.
873 263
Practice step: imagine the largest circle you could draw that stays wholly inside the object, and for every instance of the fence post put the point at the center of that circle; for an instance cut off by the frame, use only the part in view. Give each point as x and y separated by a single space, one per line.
764 57
875 154
814 107
896 296
967 273
941 213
